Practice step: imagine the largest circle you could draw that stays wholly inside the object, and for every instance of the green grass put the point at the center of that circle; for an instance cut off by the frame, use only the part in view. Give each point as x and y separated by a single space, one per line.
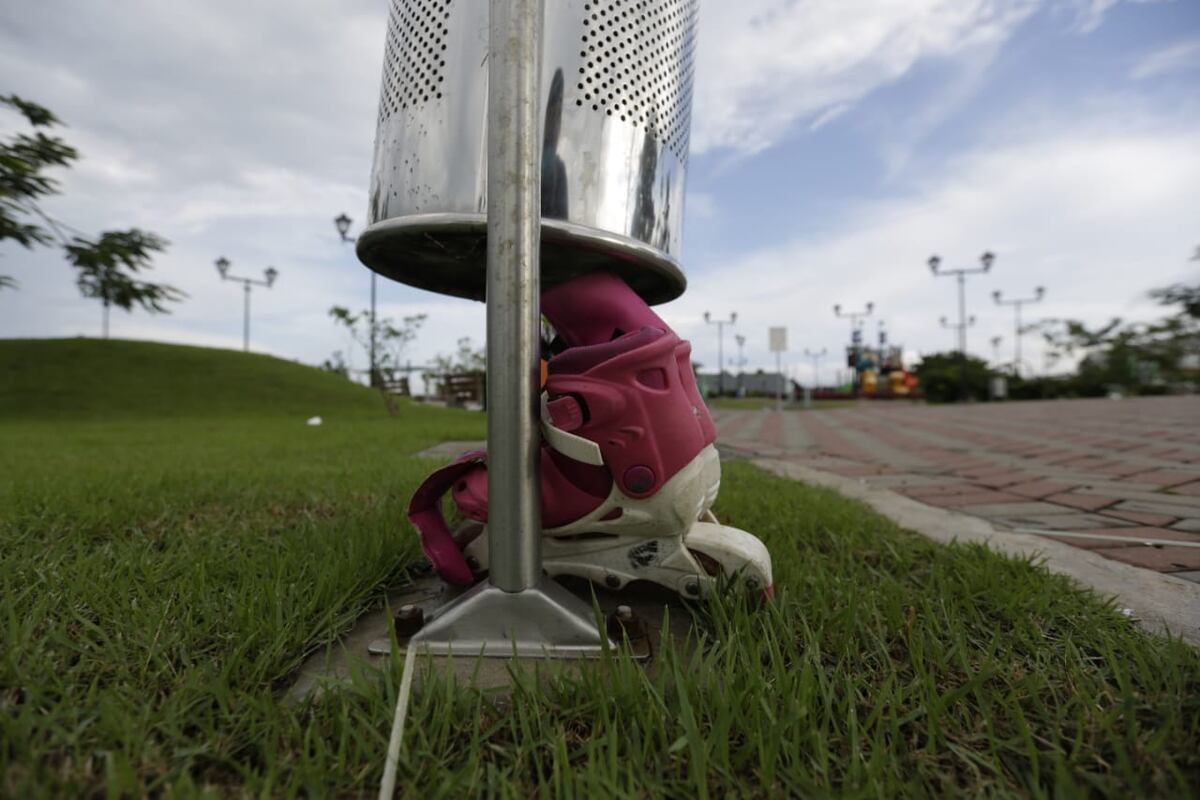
77 379
162 577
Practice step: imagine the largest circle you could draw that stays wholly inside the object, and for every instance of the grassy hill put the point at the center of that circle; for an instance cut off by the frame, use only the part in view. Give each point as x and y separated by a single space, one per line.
91 378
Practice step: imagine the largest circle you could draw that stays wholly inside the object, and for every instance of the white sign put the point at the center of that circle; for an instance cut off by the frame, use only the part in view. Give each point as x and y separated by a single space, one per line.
778 337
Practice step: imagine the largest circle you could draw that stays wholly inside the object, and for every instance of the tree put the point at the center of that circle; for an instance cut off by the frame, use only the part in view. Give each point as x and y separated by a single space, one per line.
22 181
108 264
337 365
940 376
391 340
101 264
465 360
1143 357
1179 294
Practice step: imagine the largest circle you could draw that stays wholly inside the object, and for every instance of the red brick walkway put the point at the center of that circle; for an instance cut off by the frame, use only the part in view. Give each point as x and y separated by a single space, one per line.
1119 477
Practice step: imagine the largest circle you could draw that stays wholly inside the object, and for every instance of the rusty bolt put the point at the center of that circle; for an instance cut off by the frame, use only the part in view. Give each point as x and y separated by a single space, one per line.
623 623
409 620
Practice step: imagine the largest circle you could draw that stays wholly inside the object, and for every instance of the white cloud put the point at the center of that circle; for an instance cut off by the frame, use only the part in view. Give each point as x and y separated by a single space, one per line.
828 115
1178 57
1090 14
1098 213
229 128
242 129
766 66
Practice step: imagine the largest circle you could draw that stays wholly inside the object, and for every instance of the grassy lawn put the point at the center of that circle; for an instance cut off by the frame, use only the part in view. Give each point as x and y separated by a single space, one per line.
162 576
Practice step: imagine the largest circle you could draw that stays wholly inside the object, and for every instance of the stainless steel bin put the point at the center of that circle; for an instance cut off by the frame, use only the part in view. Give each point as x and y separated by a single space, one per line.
616 114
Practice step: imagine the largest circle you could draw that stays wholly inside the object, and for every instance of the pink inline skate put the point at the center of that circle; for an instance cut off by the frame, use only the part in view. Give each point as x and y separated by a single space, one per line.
629 469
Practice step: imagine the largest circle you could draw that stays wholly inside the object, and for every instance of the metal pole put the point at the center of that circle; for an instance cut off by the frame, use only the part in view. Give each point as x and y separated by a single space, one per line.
739 379
517 611
514 231
721 357
1017 338
372 379
105 317
962 337
1017 303
779 384
855 380
246 320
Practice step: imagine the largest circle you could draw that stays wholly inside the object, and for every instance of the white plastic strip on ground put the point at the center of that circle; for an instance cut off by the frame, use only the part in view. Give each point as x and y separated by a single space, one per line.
1128 539
387 786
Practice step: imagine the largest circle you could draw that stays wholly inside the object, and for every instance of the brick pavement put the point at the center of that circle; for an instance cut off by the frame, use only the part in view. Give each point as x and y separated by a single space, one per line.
1118 477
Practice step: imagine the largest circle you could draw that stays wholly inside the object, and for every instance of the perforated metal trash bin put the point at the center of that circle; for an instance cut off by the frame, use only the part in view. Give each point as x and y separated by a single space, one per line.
616 113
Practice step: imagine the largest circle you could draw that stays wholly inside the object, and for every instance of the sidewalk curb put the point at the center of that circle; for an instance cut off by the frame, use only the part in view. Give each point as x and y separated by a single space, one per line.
1159 602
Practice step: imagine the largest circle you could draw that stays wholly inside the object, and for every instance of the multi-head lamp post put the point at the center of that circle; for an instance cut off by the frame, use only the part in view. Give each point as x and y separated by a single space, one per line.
721 323
935 266
1017 303
269 276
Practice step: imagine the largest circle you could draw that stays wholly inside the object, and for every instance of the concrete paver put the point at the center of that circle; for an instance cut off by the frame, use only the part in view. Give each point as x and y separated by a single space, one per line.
1127 469
1140 517
1086 502
1161 559
1165 477
1018 509
1059 522
909 481
1163 508
1155 601
1039 489
1144 536
978 497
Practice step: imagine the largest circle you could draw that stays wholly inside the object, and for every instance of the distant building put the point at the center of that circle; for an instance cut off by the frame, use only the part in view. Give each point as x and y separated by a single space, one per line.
751 384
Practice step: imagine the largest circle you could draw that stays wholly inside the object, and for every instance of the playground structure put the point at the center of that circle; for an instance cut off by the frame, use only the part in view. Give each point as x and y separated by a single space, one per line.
878 371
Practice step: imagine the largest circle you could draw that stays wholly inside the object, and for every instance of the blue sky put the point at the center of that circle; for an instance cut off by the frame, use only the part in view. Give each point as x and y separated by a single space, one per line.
836 145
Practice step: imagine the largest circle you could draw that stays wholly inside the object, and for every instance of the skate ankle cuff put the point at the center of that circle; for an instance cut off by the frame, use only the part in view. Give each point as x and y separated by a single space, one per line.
425 513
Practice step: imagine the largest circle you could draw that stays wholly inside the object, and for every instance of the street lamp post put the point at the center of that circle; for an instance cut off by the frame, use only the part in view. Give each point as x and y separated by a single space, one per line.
741 360
1016 303
815 357
996 340
343 222
270 274
856 318
956 326
721 323
961 274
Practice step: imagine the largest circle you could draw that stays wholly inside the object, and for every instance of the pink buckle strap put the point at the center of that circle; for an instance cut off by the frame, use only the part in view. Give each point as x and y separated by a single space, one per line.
565 413
425 513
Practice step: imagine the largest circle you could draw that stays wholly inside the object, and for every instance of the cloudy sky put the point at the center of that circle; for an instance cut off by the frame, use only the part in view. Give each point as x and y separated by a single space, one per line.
836 145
